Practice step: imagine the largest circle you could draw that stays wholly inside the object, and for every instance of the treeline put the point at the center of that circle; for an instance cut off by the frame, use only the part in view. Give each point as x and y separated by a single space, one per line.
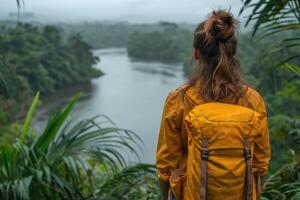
260 66
39 59
171 44
113 34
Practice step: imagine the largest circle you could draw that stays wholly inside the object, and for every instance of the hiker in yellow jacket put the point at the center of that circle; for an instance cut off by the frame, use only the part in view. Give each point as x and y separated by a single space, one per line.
207 121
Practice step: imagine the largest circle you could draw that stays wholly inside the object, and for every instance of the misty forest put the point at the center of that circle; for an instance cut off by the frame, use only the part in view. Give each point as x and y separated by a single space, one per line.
79 116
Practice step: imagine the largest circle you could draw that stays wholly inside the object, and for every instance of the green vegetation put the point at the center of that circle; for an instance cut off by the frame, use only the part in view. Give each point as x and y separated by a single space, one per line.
74 160
101 35
273 17
163 41
279 86
171 45
36 58
114 34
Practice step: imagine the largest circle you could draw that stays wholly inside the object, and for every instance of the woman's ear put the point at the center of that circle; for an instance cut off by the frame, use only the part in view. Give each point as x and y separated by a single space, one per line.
196 54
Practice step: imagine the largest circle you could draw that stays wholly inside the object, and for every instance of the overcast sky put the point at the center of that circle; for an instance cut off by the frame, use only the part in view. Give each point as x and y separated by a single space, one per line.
190 11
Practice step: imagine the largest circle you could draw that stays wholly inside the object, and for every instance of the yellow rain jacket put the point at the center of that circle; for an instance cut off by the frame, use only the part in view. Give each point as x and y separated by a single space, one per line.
172 148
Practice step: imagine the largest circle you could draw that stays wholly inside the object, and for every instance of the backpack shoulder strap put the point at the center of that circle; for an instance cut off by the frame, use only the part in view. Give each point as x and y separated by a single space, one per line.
204 159
249 182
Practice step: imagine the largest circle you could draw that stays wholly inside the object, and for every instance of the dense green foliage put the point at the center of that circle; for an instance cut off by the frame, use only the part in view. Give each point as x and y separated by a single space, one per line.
260 65
114 34
172 44
101 35
67 160
271 17
36 58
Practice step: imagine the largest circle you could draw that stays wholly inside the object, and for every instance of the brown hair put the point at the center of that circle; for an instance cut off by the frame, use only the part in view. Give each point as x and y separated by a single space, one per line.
218 73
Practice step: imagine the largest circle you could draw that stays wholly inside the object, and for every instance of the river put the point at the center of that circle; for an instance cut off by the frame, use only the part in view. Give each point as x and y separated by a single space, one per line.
131 93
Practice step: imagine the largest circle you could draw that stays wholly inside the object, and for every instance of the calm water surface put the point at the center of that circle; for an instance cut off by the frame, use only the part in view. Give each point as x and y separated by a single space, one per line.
131 93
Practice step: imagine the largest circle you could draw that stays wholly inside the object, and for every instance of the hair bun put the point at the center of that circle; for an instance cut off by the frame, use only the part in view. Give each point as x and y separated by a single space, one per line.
220 25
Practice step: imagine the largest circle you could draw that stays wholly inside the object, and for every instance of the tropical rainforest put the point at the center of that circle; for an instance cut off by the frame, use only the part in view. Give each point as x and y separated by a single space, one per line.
38 59
85 160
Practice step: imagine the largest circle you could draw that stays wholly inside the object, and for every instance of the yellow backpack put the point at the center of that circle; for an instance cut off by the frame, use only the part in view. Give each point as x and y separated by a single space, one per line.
220 150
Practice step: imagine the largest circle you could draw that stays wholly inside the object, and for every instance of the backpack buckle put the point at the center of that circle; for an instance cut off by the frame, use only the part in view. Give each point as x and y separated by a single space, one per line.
247 153
204 154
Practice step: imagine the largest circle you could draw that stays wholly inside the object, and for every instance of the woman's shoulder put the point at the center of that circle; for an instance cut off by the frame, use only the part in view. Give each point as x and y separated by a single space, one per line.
253 99
177 91
184 93
174 96
251 92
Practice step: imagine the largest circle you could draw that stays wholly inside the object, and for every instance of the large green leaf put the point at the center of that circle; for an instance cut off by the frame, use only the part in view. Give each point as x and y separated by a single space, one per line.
53 126
264 12
29 116
292 68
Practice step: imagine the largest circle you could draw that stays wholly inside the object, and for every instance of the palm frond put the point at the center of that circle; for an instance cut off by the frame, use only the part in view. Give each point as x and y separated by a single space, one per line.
273 16
53 126
293 68
29 116
266 11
